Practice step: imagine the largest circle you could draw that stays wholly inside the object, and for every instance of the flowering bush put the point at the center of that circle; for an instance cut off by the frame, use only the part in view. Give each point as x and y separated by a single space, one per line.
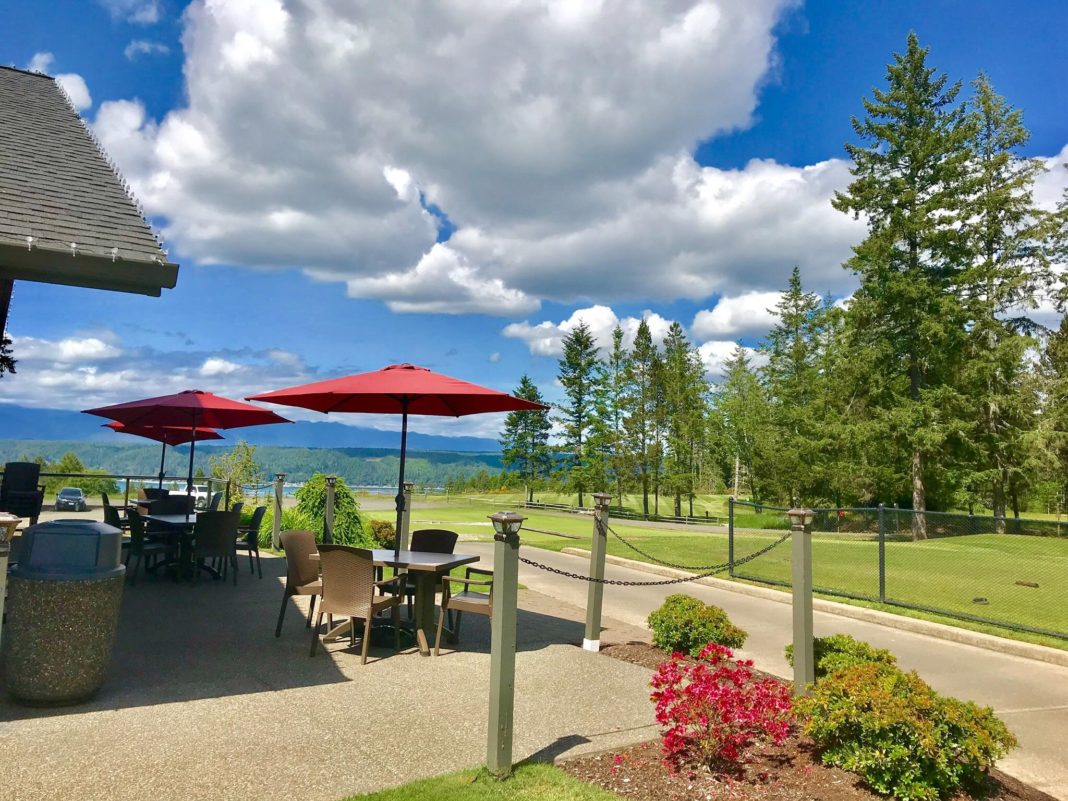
714 710
840 651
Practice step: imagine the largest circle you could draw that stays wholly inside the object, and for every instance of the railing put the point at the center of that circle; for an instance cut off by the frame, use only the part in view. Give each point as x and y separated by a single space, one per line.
629 514
1006 572
125 482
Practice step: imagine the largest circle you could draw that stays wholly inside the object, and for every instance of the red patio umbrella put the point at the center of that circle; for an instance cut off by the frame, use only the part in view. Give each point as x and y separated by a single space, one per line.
191 410
168 435
399 389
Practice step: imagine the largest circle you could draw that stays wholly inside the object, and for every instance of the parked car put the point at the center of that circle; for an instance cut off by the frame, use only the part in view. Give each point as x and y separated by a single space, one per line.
71 498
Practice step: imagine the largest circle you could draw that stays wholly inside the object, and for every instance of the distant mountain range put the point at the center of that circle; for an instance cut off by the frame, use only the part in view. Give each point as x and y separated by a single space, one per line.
23 423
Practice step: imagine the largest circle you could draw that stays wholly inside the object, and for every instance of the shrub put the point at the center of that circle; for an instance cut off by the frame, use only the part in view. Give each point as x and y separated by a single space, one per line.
311 501
839 651
715 711
383 535
291 519
686 624
899 735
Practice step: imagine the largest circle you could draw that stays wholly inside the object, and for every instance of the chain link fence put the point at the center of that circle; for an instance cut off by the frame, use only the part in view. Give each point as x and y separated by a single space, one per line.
1007 572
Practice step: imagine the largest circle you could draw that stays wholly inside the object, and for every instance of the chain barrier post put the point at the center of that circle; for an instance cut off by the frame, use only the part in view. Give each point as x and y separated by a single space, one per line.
276 529
404 534
502 641
592 639
730 536
882 553
328 509
804 661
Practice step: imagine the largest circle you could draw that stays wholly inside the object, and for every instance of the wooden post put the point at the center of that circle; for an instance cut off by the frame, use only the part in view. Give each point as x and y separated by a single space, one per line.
502 641
804 661
328 509
276 530
591 641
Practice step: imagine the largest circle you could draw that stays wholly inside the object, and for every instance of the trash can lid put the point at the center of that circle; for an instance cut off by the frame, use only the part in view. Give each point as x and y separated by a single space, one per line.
70 550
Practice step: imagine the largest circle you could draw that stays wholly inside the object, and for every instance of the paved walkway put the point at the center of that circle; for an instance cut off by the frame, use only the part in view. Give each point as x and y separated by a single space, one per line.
1030 696
204 703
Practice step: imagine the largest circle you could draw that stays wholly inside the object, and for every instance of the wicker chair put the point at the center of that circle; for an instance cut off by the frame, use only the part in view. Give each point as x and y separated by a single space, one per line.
302 572
349 589
431 540
140 547
478 603
115 515
250 538
216 538
20 492
213 504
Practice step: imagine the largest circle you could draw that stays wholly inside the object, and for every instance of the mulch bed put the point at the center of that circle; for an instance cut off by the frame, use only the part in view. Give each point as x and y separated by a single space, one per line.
790 772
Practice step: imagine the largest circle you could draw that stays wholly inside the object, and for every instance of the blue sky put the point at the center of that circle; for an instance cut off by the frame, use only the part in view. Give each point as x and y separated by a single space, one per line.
218 122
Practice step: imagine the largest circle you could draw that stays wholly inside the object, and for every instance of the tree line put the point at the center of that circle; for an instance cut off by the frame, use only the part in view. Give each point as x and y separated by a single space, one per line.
932 386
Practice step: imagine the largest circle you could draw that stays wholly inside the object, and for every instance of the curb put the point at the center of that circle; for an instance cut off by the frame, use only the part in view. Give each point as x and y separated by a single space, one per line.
940 631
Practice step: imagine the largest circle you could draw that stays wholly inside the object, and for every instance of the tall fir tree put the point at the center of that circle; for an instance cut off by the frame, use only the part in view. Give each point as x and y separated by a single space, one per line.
639 404
577 373
742 407
525 439
909 182
684 400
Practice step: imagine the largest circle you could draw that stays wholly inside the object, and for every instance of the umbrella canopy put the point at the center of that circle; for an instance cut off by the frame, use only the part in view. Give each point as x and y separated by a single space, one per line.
192 410
168 435
399 389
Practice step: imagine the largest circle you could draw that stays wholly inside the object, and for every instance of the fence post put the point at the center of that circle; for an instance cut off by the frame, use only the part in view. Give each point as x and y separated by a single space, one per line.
404 535
126 498
226 496
328 509
882 553
276 529
502 641
730 536
804 662
591 641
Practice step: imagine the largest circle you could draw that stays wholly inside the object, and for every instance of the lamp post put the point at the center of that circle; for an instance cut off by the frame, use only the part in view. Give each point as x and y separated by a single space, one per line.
804 662
506 526
276 528
328 509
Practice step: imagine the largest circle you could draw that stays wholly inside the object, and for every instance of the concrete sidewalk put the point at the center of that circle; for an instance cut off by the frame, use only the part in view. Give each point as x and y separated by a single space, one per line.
204 703
1030 696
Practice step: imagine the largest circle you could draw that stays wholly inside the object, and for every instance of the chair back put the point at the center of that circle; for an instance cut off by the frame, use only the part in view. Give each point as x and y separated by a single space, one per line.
256 522
105 500
237 507
173 505
348 579
433 540
216 499
216 533
20 477
137 529
152 493
111 516
300 568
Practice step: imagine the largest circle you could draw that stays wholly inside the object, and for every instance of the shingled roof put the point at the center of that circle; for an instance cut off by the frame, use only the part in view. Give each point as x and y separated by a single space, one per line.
66 216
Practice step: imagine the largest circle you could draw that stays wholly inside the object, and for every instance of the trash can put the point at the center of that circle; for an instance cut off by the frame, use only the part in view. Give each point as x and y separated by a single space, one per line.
63 611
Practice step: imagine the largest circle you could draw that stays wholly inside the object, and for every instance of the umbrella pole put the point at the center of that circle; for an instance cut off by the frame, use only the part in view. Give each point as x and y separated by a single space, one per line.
400 484
162 460
192 450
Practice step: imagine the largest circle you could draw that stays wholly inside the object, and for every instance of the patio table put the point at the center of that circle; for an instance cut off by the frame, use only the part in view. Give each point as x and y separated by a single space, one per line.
426 569
183 527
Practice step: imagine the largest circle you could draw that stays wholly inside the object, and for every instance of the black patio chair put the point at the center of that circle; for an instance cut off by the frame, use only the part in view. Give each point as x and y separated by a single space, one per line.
213 504
249 538
215 537
142 548
20 491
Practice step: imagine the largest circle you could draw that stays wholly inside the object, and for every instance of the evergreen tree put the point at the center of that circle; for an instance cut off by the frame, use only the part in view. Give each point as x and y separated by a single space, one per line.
525 439
908 321
577 374
639 407
743 411
684 401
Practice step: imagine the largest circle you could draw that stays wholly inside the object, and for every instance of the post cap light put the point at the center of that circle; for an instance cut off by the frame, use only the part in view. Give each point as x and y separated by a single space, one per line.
507 523
801 516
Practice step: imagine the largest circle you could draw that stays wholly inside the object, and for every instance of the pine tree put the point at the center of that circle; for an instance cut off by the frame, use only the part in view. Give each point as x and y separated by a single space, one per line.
525 439
684 400
577 373
639 407
742 407
909 182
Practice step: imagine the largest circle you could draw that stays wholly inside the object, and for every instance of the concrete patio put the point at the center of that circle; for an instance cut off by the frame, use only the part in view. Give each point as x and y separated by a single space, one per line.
204 702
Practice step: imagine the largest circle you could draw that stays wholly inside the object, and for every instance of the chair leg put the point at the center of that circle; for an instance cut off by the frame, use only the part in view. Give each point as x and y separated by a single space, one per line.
311 611
315 633
456 628
437 639
282 613
352 632
366 639
259 565
137 565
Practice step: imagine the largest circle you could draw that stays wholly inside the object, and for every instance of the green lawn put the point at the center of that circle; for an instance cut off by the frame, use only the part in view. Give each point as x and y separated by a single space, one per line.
530 783
946 573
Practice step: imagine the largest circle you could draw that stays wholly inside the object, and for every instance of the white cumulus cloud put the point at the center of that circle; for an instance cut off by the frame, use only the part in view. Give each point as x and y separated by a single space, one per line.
144 47
71 83
748 314
546 338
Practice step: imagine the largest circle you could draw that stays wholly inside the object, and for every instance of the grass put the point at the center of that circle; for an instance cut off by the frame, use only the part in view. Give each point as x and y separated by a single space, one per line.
947 573
529 783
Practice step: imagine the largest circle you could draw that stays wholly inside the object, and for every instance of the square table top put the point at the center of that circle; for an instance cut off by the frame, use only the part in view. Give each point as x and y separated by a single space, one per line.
174 520
425 561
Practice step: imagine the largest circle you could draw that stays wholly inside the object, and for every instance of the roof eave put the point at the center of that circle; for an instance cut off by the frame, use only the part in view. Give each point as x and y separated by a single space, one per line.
94 272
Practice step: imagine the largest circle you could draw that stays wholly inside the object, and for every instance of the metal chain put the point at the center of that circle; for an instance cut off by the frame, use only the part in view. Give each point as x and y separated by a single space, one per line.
661 583
652 558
